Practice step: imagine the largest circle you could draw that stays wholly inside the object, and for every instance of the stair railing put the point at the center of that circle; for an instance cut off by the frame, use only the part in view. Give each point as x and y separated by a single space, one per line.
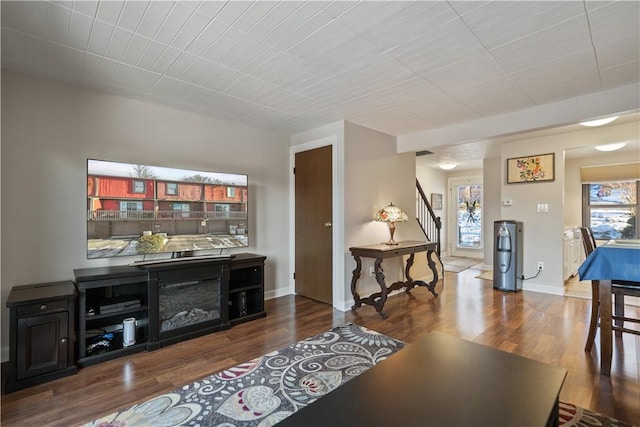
429 222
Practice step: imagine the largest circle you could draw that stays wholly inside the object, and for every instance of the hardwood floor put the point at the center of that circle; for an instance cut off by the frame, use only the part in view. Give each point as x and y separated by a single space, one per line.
548 328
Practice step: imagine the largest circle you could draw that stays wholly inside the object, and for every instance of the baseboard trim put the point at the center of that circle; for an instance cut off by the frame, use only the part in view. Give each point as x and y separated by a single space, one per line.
276 293
544 289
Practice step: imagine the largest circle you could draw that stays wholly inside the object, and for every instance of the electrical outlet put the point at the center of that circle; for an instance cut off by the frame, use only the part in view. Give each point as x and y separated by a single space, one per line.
540 265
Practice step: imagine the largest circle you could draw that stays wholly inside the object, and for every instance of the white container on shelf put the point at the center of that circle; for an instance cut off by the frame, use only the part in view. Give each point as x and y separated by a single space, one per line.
128 331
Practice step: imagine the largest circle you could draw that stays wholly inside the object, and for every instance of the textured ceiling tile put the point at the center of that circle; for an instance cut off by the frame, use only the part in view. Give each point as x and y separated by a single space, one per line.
90 66
206 38
619 20
251 16
187 35
119 42
224 42
516 21
58 19
151 55
273 18
154 17
296 18
86 7
109 11
166 59
177 18
544 46
121 74
395 66
211 8
15 16
131 15
79 31
620 75
242 43
618 52
135 78
106 69
135 49
100 37
180 65
231 11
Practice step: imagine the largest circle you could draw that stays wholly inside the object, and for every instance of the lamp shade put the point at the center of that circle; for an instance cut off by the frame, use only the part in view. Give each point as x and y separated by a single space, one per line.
391 213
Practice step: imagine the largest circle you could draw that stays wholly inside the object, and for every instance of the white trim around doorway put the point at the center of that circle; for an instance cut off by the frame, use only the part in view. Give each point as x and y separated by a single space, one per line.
337 179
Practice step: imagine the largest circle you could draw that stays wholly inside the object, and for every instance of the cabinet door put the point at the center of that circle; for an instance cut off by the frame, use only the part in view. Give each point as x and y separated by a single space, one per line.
42 344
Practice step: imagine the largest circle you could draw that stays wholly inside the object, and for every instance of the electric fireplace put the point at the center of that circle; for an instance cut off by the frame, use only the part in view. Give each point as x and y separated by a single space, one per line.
191 299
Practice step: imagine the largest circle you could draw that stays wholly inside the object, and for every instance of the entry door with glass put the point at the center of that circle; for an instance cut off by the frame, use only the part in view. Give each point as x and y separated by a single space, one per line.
466 216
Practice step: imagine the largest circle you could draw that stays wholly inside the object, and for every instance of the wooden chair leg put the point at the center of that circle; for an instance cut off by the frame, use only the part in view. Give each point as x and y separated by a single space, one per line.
593 324
618 306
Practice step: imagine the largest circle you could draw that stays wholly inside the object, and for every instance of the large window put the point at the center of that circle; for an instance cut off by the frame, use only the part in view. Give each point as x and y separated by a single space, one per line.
610 209
131 210
138 186
172 188
181 207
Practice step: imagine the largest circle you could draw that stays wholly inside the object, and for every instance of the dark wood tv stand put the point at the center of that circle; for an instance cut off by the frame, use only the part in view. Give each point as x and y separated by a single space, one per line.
134 291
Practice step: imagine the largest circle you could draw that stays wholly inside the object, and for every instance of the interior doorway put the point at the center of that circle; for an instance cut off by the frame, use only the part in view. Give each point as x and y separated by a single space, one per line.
314 224
465 217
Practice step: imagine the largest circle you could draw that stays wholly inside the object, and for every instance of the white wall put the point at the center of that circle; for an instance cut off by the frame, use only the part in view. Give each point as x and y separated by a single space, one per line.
543 232
50 129
375 175
492 207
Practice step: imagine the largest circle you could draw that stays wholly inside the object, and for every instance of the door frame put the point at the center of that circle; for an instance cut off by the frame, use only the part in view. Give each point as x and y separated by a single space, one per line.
337 220
453 219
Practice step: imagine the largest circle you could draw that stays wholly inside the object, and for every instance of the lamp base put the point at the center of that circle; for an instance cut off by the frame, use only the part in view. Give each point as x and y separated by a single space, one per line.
392 229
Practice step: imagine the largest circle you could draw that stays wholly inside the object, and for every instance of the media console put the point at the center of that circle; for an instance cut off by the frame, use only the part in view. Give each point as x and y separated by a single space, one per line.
170 300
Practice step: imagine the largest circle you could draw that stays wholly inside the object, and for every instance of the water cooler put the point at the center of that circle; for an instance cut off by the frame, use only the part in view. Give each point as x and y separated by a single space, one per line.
507 255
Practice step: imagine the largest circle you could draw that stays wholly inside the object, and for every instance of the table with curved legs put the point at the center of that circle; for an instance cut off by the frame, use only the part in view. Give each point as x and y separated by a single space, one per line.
379 253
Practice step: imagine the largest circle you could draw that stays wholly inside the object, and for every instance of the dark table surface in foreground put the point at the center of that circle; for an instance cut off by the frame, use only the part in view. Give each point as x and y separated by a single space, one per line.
441 380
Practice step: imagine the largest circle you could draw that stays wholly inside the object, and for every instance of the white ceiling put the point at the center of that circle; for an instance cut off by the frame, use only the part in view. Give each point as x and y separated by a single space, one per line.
397 67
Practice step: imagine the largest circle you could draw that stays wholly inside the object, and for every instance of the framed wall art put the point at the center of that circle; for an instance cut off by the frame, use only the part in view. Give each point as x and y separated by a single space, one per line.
436 201
538 168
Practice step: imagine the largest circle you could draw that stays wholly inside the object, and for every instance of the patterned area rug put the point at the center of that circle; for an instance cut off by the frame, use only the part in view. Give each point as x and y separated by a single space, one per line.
266 390
456 264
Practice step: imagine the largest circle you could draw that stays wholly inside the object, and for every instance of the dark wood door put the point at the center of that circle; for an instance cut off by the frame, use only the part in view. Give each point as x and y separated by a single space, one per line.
313 230
42 344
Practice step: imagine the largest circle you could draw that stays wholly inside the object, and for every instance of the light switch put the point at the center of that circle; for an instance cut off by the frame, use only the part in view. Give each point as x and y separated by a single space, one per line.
507 202
543 208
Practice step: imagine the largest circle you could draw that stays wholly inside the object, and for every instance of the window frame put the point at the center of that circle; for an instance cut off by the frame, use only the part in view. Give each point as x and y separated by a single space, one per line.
587 206
171 188
136 183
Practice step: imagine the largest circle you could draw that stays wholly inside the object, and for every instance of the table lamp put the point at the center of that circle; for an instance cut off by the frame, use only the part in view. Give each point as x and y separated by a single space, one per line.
391 214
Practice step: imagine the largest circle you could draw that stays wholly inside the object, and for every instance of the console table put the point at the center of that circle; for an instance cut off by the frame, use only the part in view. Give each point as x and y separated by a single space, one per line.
381 251
441 380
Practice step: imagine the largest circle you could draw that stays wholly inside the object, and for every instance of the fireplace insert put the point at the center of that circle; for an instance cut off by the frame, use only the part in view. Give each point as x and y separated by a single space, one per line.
191 299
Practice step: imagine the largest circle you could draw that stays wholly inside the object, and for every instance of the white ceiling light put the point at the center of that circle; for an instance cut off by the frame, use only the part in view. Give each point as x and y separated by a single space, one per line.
611 147
599 122
447 166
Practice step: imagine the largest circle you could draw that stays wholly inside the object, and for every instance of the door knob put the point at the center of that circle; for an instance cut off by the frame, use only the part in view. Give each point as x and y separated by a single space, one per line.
327 224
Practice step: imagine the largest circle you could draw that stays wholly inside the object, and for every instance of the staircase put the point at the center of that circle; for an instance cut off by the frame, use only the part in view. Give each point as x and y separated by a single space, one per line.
429 222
